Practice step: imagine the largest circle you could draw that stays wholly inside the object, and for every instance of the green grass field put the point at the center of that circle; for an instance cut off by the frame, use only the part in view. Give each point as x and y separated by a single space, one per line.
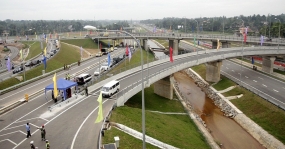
176 130
35 48
85 43
263 113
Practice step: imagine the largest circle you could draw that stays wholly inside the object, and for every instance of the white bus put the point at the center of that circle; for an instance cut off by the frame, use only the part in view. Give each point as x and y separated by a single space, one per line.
110 88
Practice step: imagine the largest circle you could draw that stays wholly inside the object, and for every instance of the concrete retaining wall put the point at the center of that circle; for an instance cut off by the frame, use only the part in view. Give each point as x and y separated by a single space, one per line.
263 137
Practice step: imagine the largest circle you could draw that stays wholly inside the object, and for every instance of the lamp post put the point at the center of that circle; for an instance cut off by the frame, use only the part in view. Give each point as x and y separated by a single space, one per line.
241 54
279 26
197 36
142 85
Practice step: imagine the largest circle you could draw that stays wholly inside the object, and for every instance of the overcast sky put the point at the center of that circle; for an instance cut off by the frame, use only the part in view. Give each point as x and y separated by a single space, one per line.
134 9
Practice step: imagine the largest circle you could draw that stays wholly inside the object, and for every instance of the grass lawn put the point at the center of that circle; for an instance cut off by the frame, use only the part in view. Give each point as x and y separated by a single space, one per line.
263 113
177 130
35 48
71 55
163 42
85 43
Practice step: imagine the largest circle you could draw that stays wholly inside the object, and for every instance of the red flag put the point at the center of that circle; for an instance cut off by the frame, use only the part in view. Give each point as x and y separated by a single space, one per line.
127 51
244 37
171 54
100 47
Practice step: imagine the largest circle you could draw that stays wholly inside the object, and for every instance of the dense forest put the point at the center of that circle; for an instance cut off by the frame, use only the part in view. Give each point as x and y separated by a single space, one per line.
257 24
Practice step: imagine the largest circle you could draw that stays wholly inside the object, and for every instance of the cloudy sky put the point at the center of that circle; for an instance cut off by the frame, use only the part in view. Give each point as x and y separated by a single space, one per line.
134 9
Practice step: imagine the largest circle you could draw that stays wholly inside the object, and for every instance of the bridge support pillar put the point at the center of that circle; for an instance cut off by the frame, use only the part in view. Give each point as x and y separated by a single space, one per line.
214 44
268 63
225 44
114 43
145 44
213 71
164 87
174 44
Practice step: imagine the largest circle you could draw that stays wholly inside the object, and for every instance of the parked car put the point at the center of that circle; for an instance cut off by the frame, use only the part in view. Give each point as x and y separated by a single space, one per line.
18 69
98 71
99 54
115 48
32 63
105 66
118 58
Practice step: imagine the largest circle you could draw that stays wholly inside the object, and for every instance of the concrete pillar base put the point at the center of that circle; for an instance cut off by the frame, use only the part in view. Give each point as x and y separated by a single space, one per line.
213 71
164 87
145 46
226 44
267 64
174 44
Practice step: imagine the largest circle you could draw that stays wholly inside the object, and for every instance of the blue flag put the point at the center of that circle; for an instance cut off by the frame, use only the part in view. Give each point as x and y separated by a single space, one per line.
261 40
252 60
109 59
109 44
8 64
45 62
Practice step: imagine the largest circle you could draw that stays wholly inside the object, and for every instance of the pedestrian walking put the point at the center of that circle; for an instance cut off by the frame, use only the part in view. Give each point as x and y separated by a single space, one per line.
43 132
47 145
32 145
86 91
68 76
62 96
52 95
28 128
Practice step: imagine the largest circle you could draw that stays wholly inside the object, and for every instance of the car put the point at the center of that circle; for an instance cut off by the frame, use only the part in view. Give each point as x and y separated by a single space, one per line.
83 78
118 58
115 48
32 63
29 64
86 36
18 69
111 49
51 53
99 54
98 71
105 66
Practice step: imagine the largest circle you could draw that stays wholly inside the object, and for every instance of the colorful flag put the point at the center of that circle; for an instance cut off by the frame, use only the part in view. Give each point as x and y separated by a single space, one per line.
130 53
45 51
252 60
218 44
127 51
55 93
100 47
81 51
100 111
261 40
46 40
244 37
109 44
246 30
154 29
171 54
21 54
8 64
109 59
45 62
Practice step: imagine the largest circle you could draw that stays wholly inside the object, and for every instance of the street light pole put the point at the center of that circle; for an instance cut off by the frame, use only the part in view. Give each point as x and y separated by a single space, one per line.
279 31
241 54
142 85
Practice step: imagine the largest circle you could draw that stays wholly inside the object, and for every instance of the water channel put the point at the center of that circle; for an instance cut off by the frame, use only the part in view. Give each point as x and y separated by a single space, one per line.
224 130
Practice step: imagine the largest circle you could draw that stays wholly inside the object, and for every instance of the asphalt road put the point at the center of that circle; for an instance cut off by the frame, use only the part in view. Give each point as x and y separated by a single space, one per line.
72 125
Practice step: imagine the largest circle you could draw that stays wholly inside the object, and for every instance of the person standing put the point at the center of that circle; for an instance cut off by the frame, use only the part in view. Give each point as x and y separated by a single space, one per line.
47 145
32 145
43 132
86 91
28 128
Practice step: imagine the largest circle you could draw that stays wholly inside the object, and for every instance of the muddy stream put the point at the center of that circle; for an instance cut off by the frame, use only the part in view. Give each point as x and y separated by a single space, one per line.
223 129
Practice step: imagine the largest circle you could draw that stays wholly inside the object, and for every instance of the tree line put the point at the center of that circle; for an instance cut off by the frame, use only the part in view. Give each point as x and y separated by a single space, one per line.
259 25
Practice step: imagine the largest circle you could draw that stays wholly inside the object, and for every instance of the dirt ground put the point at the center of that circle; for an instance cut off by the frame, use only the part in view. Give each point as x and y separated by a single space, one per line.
3 54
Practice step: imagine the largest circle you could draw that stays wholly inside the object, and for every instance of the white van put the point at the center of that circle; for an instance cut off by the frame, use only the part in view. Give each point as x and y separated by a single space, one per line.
110 88
83 78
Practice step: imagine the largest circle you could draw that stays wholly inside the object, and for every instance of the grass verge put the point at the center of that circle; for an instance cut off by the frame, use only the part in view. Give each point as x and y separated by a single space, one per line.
176 130
35 48
85 43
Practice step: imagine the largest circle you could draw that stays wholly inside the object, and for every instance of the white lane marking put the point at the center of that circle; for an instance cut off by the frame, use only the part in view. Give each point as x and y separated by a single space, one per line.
75 136
22 132
14 127
264 85
43 119
254 81
27 119
8 140
275 90
227 67
9 133
254 88
233 70
246 77
260 78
